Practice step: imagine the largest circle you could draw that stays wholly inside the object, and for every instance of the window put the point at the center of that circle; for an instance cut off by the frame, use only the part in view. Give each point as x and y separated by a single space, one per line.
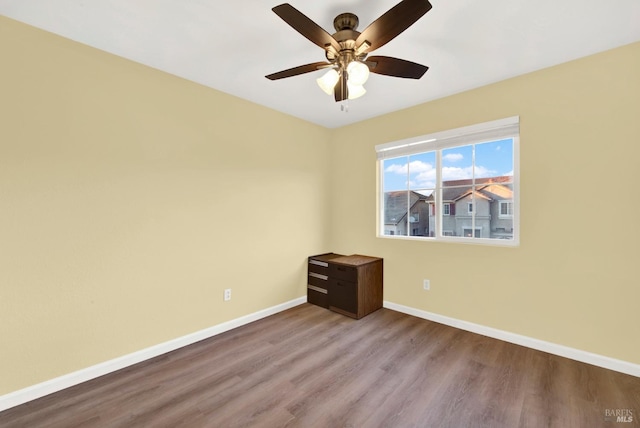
506 209
467 233
474 168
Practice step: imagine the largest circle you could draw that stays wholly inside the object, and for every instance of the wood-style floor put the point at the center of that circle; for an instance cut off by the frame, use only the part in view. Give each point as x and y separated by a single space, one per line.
308 367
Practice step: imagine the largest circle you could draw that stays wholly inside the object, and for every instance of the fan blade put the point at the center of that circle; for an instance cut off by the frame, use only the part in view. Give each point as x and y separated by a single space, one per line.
393 22
341 91
396 67
302 69
305 26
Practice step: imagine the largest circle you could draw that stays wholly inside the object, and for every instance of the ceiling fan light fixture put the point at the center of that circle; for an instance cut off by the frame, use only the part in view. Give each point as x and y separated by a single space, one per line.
355 91
358 72
328 81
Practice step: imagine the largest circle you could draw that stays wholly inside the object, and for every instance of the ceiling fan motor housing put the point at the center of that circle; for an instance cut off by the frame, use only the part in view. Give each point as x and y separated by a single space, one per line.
346 35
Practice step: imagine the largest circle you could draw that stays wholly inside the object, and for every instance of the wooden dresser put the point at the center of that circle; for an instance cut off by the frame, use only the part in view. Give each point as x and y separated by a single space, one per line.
349 285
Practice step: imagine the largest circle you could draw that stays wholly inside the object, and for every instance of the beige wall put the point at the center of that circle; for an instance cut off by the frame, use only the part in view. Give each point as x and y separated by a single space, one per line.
573 280
129 199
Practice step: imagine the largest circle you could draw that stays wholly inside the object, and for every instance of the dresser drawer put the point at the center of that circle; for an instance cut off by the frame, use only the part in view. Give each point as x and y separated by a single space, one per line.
347 273
318 280
319 267
318 296
343 295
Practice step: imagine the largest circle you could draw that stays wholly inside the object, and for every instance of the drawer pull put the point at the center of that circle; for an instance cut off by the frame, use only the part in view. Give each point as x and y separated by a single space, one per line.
318 289
317 275
319 263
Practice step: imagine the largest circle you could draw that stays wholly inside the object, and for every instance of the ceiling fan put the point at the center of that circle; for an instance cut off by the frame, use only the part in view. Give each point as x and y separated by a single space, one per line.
346 50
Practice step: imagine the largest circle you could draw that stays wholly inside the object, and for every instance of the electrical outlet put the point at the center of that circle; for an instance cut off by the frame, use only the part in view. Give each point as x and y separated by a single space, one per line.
227 294
426 284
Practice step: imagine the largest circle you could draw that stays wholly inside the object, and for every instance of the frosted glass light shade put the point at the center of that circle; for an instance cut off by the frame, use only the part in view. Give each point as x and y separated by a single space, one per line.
355 91
328 81
358 72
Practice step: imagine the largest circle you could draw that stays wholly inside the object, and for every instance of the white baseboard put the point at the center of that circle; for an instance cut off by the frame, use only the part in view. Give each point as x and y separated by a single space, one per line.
540 345
48 387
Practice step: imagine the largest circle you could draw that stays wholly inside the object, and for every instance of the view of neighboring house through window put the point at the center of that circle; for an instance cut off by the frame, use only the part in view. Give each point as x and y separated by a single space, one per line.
459 185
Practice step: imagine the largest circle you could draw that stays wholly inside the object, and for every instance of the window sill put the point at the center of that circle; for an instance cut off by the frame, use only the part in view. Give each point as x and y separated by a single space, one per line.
457 240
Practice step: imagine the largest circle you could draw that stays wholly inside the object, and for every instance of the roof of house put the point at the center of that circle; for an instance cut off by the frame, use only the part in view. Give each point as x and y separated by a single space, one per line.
484 180
395 205
477 194
491 188
497 192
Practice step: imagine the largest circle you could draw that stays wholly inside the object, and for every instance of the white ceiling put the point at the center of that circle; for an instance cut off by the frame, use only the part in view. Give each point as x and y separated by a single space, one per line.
232 45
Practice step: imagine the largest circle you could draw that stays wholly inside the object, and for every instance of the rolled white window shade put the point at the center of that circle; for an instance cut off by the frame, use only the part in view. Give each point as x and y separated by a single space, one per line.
488 131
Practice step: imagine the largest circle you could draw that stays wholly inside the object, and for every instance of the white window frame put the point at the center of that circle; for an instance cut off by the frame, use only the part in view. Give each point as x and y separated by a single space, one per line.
436 142
446 208
470 207
501 204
